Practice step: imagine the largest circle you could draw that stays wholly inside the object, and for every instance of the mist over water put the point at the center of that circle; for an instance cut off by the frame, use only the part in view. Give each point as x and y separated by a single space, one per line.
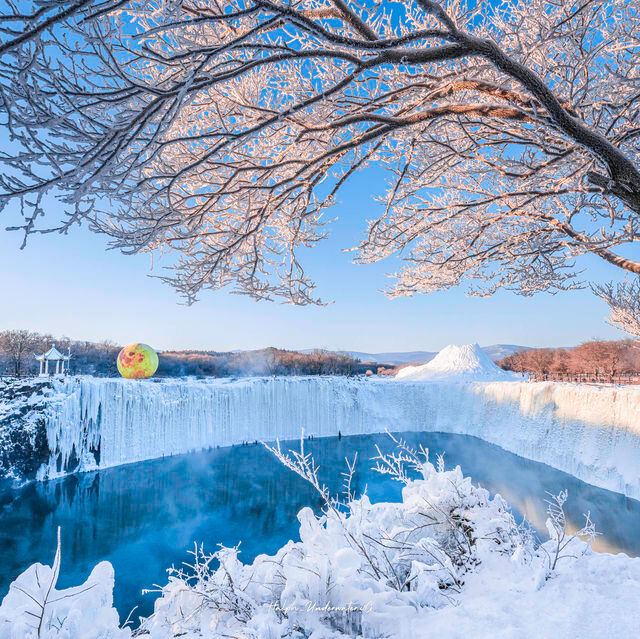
144 517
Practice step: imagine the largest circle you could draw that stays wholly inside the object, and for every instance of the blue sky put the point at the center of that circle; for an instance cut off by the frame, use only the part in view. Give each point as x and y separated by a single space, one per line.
70 285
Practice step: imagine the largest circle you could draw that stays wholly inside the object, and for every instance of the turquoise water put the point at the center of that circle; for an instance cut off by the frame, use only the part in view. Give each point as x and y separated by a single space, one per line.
144 517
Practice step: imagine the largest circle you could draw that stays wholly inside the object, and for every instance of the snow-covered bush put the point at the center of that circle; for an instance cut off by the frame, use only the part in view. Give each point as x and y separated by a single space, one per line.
443 553
357 566
562 544
35 609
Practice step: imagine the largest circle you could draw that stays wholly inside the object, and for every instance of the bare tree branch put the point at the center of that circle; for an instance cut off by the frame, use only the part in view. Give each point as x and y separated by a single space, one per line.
223 131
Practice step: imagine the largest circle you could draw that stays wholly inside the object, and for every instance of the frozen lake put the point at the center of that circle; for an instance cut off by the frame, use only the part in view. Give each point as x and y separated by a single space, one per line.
144 517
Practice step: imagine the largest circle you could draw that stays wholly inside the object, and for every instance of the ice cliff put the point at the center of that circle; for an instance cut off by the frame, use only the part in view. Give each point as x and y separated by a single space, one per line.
591 432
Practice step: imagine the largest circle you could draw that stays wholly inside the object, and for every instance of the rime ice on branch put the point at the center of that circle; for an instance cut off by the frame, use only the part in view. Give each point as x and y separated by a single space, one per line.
223 131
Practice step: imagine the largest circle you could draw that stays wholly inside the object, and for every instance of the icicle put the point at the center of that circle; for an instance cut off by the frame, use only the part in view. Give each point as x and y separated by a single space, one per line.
591 432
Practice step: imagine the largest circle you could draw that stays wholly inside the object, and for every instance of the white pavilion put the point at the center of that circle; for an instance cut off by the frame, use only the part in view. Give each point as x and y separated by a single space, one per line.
53 355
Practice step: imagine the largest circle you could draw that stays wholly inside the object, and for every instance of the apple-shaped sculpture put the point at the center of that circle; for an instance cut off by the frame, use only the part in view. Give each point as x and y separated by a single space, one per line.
137 361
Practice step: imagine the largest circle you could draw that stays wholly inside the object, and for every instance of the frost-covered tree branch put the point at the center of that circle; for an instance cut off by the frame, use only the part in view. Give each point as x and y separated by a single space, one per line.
223 131
562 541
624 304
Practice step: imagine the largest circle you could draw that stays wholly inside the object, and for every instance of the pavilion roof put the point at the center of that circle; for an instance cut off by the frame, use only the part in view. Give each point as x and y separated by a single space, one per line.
53 354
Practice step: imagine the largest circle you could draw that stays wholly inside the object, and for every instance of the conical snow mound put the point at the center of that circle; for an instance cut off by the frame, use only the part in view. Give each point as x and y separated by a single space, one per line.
468 363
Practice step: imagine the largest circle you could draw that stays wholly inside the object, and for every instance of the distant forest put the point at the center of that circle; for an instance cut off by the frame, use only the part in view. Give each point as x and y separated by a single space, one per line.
17 350
596 360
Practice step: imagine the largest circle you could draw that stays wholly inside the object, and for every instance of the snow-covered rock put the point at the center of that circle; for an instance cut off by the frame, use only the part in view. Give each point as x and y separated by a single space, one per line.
23 438
468 363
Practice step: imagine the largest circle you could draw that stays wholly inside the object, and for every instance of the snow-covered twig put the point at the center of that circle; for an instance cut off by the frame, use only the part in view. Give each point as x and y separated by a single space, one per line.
557 528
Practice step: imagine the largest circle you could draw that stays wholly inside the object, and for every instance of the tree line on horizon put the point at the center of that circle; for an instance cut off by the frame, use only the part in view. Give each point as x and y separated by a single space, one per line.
267 361
592 360
17 349
595 359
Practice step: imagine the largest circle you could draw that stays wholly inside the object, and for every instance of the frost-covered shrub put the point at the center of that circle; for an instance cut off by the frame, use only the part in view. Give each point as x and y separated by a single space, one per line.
562 544
35 609
359 569
356 567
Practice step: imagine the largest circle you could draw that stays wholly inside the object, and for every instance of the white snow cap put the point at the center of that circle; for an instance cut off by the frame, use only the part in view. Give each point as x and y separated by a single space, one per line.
467 363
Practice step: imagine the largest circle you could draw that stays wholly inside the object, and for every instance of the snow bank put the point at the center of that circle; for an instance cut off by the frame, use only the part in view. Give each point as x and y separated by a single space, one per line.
594 597
35 609
457 364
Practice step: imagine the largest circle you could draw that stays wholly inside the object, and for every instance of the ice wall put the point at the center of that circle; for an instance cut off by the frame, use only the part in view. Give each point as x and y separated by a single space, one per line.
589 431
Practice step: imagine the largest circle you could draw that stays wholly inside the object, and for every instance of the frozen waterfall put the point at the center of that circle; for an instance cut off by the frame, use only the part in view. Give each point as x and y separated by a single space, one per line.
591 432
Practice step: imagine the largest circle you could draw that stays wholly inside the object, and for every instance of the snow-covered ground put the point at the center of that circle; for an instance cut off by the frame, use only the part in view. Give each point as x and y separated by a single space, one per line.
448 561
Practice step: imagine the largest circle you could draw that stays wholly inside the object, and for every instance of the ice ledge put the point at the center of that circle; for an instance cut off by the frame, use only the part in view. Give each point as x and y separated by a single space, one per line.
592 432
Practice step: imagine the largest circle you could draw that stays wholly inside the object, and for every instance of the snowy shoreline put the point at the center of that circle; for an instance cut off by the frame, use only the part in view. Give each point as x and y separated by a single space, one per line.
590 432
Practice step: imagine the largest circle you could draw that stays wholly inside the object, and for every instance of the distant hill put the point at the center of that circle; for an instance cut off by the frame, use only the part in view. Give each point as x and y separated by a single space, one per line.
495 352
498 351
